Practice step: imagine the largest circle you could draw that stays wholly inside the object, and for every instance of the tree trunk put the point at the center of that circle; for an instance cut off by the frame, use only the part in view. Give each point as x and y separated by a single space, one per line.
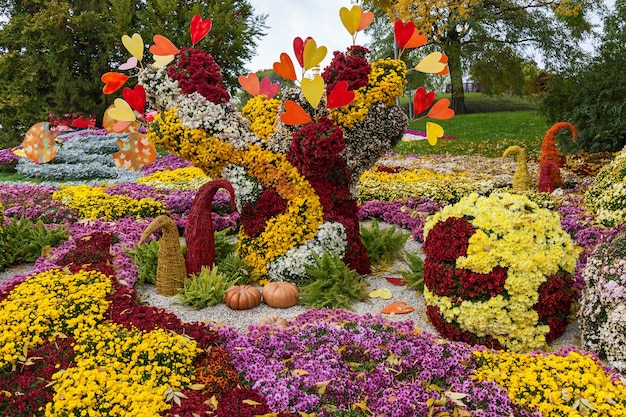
453 51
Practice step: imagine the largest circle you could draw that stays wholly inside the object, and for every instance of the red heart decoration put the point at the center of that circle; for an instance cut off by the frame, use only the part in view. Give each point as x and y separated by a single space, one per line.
199 28
136 98
294 114
269 88
285 67
403 32
422 100
163 46
441 110
298 49
250 83
340 96
113 81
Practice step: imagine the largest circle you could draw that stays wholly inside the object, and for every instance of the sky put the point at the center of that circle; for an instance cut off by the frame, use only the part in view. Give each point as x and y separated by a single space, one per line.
286 20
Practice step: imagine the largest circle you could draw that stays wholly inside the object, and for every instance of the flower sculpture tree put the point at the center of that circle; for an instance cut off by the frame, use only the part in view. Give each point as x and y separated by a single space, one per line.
498 272
292 157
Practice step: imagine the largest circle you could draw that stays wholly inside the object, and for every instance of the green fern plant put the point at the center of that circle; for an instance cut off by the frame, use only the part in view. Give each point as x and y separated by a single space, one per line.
224 245
334 285
205 289
383 245
236 269
146 257
414 277
24 240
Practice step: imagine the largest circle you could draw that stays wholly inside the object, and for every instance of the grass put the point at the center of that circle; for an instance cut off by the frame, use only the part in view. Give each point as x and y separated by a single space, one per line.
492 125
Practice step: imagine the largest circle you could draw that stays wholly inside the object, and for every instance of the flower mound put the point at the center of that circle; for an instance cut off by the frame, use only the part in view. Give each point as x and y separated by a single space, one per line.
607 196
498 272
603 304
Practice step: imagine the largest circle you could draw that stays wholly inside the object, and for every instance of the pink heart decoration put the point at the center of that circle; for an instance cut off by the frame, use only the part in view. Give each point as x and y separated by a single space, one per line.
403 32
136 97
422 100
269 88
198 28
130 64
340 96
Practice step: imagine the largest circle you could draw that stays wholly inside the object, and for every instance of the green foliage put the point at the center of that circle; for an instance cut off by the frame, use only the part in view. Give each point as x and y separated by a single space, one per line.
414 277
205 289
591 96
24 240
224 245
384 245
334 285
146 257
236 269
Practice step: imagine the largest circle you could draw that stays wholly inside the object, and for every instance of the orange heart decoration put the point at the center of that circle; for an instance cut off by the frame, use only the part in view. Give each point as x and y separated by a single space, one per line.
416 40
250 83
441 110
285 68
433 132
313 55
198 28
136 97
113 81
39 143
340 96
294 114
366 19
422 100
268 88
446 69
163 46
351 18
399 307
403 32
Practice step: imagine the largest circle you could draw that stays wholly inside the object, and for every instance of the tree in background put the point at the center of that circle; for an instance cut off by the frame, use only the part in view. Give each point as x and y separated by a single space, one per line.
482 31
53 52
591 95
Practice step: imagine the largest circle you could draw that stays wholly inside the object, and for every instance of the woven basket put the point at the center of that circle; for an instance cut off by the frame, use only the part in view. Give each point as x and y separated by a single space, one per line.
171 272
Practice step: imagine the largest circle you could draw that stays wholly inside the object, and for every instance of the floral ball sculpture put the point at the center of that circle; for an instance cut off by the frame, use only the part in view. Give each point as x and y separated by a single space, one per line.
607 196
498 272
602 314
291 156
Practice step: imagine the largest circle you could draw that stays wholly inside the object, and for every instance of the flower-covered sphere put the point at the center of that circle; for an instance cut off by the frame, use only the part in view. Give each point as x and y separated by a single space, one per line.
498 272
607 196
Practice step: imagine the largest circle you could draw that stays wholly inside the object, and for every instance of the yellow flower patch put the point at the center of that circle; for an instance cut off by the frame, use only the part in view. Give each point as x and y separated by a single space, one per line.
262 113
93 203
48 303
574 385
188 178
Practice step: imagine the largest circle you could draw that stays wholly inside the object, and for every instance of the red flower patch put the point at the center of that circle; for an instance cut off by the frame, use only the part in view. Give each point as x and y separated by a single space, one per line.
448 240
255 216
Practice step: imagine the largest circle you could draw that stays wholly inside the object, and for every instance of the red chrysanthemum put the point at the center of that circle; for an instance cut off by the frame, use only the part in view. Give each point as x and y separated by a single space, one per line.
254 216
448 240
196 71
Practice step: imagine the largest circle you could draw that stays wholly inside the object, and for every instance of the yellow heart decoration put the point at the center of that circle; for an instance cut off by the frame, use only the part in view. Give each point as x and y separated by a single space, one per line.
383 293
121 111
312 54
313 89
134 45
433 132
351 18
430 64
161 61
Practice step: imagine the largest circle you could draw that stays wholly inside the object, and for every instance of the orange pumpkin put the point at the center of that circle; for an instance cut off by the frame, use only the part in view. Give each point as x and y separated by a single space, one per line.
280 294
242 297
274 321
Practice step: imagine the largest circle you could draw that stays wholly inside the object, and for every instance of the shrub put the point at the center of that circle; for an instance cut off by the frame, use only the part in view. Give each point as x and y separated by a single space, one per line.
383 245
24 240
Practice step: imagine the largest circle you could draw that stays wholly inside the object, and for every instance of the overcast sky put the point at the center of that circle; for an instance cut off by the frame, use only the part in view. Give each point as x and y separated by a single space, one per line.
286 20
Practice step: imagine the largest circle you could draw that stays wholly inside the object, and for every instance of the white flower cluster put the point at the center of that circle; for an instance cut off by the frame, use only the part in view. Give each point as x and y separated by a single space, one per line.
247 189
220 120
331 237
162 92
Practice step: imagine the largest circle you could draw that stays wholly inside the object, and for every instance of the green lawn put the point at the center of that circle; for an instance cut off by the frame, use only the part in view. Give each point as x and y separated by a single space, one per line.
491 125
